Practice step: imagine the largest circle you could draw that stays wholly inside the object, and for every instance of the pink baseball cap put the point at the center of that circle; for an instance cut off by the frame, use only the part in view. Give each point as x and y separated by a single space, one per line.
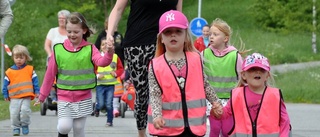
173 18
256 60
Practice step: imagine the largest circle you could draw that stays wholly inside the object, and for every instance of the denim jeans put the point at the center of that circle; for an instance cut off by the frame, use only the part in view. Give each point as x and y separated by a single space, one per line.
104 98
20 112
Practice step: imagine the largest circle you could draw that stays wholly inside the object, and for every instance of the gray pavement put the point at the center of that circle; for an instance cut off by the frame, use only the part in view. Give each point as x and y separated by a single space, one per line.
305 118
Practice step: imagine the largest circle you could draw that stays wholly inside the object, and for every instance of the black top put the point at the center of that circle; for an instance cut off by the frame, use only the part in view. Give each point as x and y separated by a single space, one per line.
143 21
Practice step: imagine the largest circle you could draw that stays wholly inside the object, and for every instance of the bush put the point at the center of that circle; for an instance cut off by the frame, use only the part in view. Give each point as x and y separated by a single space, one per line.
285 16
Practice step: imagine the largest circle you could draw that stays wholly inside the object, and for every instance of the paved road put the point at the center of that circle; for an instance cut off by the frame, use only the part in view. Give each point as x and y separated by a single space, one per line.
305 121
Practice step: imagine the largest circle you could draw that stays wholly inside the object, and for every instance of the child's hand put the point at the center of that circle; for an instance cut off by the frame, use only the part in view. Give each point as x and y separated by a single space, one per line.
110 44
100 76
114 74
158 123
216 110
7 99
37 102
37 95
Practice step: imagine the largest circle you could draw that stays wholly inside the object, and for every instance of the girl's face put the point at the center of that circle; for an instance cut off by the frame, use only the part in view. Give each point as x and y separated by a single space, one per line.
19 60
173 39
206 32
75 33
103 46
217 38
62 20
256 77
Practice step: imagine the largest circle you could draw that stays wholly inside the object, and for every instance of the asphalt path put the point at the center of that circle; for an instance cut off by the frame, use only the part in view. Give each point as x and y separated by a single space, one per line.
305 121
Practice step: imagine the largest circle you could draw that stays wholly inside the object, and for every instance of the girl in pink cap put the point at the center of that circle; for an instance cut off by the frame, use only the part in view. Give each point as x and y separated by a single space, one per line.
258 109
177 84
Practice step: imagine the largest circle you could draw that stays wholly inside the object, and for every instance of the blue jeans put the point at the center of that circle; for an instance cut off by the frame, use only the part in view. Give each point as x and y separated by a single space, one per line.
104 98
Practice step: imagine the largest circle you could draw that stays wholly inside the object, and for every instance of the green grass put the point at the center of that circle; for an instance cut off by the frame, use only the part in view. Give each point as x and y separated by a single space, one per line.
4 109
300 86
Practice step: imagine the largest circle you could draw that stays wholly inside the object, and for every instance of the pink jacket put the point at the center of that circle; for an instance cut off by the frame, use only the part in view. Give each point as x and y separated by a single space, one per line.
67 95
250 95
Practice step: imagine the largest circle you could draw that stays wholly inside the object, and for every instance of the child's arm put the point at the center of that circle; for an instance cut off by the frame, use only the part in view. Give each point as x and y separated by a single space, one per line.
119 70
5 93
284 121
155 95
49 78
210 93
35 83
100 60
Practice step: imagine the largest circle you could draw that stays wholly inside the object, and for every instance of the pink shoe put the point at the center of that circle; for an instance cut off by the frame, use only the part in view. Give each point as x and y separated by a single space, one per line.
115 113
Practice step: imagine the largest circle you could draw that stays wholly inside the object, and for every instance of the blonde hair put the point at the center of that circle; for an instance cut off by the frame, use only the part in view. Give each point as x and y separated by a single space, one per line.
188 44
226 29
19 50
223 27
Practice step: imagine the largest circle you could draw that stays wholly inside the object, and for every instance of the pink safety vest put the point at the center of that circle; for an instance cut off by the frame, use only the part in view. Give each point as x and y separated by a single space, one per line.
174 99
267 123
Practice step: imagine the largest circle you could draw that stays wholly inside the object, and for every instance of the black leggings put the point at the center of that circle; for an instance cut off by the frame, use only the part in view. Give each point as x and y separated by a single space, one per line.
137 59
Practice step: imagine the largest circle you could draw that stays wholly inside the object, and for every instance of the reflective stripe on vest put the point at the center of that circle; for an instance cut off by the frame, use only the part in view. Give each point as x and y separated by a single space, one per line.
20 82
267 122
221 71
75 69
181 107
108 79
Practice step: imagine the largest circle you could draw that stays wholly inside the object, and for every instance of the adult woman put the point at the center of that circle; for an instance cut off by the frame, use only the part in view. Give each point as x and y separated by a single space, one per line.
139 45
57 34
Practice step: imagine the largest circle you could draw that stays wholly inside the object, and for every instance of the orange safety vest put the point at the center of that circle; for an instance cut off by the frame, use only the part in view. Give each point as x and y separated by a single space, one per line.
181 107
267 122
20 82
118 88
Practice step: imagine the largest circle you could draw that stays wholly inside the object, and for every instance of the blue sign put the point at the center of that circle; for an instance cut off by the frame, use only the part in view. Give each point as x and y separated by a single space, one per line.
196 26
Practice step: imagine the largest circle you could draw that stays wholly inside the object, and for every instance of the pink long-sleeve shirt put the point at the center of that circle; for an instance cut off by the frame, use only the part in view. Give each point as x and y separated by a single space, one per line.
52 70
253 103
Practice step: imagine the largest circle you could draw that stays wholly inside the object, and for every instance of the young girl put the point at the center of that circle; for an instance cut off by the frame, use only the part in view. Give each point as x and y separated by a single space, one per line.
257 108
73 63
20 86
222 63
178 98
202 42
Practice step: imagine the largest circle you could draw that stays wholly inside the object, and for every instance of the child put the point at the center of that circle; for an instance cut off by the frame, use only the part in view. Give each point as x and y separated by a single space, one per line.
257 108
118 92
107 79
202 42
20 86
73 63
177 84
222 63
